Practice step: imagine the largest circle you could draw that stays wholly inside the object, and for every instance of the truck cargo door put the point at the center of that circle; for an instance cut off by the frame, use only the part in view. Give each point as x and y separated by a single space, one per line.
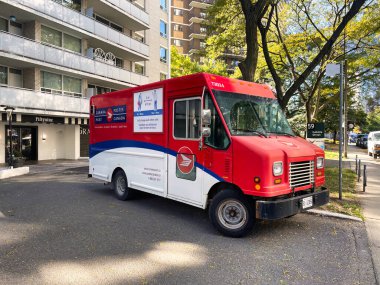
185 162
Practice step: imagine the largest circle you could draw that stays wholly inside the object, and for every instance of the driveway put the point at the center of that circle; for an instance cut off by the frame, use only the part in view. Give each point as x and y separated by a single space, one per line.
60 227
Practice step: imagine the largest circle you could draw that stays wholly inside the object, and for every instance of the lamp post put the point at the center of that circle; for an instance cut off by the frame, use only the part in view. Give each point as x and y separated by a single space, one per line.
9 111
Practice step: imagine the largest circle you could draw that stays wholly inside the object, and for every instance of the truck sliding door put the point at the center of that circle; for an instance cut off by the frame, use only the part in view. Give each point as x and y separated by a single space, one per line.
185 166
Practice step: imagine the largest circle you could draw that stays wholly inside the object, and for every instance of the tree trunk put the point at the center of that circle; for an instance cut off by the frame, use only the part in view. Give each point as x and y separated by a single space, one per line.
335 133
249 64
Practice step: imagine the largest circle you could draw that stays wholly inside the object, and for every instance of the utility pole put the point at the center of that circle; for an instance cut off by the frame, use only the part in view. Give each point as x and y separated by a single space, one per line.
345 101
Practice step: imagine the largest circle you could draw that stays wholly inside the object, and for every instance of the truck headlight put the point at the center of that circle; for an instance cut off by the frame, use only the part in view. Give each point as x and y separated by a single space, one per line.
320 162
277 168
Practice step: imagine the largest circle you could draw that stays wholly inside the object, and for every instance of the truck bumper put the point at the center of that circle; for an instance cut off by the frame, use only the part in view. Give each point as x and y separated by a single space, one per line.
272 210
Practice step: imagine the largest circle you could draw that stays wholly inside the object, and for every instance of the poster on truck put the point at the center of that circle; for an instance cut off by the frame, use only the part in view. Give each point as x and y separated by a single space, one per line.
147 111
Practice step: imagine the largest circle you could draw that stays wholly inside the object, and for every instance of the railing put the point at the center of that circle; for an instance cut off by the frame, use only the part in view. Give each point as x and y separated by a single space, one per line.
30 49
131 9
75 18
30 99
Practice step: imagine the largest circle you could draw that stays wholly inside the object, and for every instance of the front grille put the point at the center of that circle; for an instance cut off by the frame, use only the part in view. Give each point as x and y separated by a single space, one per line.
301 173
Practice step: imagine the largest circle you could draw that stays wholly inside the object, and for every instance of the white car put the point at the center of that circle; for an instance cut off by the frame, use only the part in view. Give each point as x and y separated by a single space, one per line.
374 144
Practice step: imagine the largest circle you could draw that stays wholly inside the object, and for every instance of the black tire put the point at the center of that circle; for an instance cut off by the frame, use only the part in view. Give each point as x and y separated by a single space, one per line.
232 213
375 156
120 186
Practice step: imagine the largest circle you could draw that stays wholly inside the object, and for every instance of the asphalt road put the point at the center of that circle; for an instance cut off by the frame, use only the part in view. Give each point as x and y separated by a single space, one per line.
63 228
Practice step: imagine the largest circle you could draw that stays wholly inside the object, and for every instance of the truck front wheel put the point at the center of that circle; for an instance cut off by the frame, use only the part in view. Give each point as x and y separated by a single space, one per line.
120 186
231 213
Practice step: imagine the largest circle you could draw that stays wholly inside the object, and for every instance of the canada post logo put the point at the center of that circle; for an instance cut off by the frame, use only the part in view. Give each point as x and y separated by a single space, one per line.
113 114
185 160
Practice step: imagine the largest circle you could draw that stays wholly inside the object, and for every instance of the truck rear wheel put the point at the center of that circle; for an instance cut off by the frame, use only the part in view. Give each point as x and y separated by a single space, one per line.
120 186
231 213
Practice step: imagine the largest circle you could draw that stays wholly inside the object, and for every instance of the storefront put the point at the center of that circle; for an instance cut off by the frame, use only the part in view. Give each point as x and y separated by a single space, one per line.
37 137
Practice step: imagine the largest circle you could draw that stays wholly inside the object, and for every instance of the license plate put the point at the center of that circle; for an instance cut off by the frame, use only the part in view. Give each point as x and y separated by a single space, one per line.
307 202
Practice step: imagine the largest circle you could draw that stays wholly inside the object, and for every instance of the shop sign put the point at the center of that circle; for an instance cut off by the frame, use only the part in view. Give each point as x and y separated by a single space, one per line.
42 119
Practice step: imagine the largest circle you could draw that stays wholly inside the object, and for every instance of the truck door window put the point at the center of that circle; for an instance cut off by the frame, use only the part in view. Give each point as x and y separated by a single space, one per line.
187 119
218 138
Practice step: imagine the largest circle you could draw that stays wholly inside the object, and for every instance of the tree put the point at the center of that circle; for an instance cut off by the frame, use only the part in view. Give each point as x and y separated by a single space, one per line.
265 16
183 65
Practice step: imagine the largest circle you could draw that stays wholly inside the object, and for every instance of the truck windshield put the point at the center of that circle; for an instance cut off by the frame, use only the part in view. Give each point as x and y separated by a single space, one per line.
247 115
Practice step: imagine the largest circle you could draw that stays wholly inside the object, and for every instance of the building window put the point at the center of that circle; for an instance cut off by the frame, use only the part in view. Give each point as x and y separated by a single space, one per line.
138 37
177 27
100 89
3 75
178 12
57 38
60 84
72 43
139 69
163 28
3 25
10 76
177 43
119 62
203 30
202 15
163 5
163 76
72 4
187 119
202 44
163 54
108 23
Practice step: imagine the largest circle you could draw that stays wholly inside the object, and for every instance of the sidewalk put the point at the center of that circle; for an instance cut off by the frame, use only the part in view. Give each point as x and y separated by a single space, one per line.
44 166
370 199
371 205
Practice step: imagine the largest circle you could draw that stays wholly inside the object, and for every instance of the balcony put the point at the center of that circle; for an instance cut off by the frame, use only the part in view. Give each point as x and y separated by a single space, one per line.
50 104
29 51
202 4
124 8
197 36
140 51
197 20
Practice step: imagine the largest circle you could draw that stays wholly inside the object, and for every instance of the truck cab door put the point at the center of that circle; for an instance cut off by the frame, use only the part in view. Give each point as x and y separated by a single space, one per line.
185 164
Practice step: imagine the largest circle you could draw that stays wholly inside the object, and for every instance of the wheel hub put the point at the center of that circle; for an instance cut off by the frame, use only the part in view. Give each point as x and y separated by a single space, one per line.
232 214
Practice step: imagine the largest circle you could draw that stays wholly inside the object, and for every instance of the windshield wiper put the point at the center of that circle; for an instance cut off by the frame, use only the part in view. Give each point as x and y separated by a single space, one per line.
252 131
282 133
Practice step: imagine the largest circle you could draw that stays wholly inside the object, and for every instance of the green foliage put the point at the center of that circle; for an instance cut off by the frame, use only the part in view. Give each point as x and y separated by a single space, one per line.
183 65
373 120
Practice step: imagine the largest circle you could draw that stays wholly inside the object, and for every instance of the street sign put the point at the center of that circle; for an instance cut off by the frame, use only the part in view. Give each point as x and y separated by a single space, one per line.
315 130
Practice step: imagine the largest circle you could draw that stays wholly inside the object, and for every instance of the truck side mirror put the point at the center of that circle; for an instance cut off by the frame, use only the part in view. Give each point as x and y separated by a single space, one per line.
206 117
206 132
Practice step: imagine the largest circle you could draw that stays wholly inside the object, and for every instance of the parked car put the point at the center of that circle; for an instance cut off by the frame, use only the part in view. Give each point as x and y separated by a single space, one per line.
359 141
364 142
374 144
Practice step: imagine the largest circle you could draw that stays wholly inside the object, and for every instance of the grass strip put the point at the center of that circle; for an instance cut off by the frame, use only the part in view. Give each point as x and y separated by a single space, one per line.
349 204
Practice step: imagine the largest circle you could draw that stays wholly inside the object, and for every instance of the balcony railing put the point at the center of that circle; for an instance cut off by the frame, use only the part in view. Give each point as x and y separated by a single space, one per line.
50 103
131 9
86 23
32 50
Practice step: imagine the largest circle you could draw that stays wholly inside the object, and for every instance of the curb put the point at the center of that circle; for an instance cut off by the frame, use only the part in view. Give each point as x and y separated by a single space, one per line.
12 172
333 215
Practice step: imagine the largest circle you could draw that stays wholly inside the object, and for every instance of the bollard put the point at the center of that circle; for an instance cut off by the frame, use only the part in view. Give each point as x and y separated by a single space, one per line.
359 170
364 177
356 164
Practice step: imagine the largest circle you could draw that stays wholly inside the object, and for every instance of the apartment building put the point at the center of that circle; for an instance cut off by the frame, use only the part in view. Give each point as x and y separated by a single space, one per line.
56 54
188 28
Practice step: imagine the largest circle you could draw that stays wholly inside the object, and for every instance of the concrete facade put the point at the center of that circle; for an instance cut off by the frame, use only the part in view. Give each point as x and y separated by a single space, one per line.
55 55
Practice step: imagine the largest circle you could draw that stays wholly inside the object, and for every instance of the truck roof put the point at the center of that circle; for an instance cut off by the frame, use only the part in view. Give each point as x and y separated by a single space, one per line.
216 82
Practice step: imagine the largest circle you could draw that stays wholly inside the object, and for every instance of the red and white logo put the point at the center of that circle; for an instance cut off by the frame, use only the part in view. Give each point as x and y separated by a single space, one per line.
185 160
109 115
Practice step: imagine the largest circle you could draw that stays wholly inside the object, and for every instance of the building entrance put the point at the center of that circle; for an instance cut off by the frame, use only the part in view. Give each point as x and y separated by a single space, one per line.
24 142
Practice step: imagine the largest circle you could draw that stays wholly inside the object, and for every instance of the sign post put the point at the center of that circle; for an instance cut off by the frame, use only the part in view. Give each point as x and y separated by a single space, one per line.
316 134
